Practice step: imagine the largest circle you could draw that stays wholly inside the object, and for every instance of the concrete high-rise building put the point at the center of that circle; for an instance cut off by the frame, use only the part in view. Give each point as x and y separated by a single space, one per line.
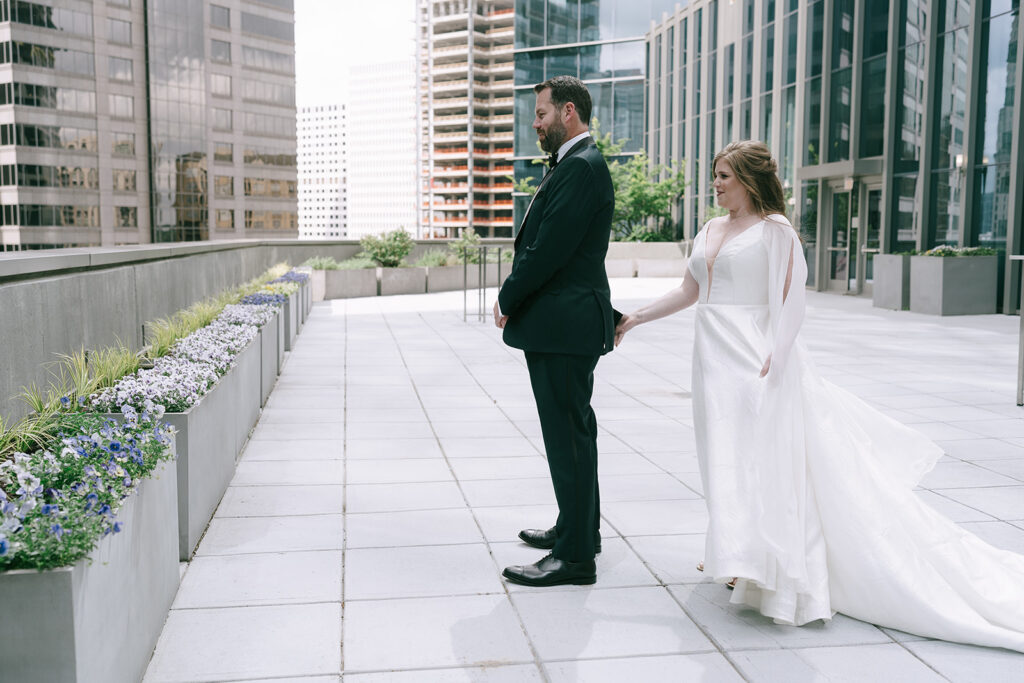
897 125
125 122
323 172
381 144
465 55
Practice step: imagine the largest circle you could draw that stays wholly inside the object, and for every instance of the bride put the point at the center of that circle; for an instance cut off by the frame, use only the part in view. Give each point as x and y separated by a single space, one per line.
809 490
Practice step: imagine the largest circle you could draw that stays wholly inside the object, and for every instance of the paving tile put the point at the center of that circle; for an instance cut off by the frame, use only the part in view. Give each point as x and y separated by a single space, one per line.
958 512
428 571
380 449
481 430
295 416
396 497
948 475
261 579
282 501
497 447
983 449
1001 502
969 664
233 536
736 627
505 492
710 667
521 467
640 518
943 431
282 431
248 642
387 635
397 471
470 674
419 527
392 430
999 534
856 664
284 473
1010 468
672 558
644 487
504 523
614 622
305 449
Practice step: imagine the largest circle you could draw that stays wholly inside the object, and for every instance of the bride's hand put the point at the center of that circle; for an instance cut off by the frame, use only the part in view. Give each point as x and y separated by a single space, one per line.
626 323
766 367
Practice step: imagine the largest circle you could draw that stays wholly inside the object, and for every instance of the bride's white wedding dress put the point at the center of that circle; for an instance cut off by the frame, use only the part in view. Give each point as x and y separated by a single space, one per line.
809 489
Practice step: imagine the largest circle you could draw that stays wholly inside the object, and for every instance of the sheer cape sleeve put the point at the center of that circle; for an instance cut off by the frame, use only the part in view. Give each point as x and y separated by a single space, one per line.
786 308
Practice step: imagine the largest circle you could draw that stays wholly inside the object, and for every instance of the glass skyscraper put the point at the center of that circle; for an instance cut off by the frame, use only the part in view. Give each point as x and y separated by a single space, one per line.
602 42
893 121
135 121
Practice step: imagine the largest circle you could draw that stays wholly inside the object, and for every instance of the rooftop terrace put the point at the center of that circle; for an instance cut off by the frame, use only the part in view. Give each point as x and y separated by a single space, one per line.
381 492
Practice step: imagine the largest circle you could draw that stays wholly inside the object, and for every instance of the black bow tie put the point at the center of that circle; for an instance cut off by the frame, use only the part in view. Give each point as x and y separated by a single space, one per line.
552 160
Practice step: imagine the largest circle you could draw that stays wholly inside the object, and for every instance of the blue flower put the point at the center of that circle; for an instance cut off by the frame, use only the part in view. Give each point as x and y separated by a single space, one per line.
91 500
57 530
4 545
65 401
115 447
117 527
48 509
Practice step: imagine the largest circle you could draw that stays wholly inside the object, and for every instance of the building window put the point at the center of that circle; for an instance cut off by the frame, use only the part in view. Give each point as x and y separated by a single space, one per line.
220 51
225 218
45 16
124 180
126 217
220 16
122 106
267 27
120 69
119 31
221 119
220 85
223 151
224 186
123 144
46 57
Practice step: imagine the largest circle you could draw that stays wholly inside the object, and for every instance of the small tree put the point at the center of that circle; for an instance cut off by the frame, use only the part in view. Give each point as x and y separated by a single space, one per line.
388 249
644 194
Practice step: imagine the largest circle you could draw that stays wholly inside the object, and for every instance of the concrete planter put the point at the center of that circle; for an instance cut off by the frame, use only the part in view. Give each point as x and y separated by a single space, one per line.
206 443
347 284
307 300
98 620
269 356
248 370
646 259
318 282
891 287
403 281
953 285
291 320
445 278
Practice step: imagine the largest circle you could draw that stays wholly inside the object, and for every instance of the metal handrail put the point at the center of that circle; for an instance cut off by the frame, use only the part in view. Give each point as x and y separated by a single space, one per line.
481 294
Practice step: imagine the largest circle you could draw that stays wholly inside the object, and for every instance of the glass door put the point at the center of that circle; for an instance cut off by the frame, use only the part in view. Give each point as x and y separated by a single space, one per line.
843 238
871 237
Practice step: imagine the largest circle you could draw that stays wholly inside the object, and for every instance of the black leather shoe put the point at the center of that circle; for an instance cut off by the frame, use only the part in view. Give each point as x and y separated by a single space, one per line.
550 571
545 540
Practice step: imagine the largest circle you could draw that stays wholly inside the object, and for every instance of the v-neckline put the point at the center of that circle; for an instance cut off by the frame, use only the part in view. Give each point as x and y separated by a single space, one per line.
709 265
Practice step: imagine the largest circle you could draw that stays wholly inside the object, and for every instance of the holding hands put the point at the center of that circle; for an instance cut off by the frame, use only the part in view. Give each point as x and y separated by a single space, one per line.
626 323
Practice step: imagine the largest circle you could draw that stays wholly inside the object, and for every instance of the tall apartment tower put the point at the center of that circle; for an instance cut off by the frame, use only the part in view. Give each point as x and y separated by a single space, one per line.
465 53
131 121
381 148
323 171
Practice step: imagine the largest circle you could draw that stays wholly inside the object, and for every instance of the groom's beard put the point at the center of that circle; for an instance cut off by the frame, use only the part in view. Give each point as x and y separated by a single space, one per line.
554 137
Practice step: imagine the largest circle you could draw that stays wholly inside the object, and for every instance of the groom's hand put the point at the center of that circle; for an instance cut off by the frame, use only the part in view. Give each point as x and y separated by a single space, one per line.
499 319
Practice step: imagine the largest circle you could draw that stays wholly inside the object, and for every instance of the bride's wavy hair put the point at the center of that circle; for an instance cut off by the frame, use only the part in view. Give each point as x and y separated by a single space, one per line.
752 162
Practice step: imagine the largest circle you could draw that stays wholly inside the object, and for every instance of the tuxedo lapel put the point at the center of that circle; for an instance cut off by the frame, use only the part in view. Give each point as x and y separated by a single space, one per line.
572 150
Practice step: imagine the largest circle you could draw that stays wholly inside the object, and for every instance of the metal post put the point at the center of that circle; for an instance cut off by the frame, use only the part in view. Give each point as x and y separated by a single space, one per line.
465 282
1020 337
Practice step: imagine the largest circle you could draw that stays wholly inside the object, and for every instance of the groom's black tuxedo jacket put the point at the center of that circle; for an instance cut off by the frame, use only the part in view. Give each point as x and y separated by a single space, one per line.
557 296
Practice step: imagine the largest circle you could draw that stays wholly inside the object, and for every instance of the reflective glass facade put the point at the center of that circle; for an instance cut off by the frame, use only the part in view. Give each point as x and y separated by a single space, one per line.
129 97
932 159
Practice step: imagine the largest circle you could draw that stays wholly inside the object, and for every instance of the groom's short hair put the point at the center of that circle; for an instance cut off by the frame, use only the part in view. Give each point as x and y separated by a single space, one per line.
569 89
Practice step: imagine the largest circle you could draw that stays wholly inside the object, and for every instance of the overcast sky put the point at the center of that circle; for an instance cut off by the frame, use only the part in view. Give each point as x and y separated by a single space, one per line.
333 35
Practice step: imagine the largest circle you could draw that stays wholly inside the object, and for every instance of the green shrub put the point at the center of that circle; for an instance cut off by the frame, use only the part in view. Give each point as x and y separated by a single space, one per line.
388 249
357 262
467 247
946 250
321 263
435 258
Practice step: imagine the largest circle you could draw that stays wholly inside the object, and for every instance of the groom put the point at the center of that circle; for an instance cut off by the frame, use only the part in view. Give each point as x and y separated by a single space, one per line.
556 306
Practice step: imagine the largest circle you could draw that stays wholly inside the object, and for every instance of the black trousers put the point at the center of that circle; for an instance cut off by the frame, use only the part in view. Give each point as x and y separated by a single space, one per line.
562 387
